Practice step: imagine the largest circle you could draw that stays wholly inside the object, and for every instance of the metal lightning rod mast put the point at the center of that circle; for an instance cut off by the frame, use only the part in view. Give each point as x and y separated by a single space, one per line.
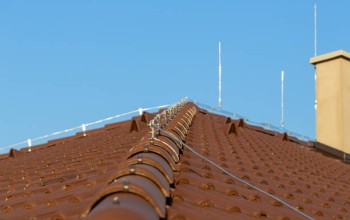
315 45
315 26
282 99
220 101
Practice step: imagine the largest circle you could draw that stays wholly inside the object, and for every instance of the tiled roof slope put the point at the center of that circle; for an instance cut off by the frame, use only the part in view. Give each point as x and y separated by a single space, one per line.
59 179
120 171
288 169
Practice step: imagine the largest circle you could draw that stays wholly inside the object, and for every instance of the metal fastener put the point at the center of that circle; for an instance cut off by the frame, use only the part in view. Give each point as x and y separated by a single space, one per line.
126 185
132 169
116 200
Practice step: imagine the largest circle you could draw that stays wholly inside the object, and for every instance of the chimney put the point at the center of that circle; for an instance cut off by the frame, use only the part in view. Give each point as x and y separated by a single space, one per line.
333 102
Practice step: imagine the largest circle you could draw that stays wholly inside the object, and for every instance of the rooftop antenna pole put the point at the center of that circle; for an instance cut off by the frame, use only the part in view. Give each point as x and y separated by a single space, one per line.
220 102
315 32
315 26
282 98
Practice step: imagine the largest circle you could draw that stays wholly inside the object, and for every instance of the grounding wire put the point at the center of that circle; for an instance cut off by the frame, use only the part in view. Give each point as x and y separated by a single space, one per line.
56 133
124 114
79 127
13 145
110 118
270 126
232 175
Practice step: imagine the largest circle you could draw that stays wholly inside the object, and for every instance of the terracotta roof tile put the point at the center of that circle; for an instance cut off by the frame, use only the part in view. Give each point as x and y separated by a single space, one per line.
63 175
119 171
258 158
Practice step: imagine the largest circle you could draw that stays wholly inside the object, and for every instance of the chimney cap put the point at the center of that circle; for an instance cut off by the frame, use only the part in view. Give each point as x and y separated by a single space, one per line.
330 56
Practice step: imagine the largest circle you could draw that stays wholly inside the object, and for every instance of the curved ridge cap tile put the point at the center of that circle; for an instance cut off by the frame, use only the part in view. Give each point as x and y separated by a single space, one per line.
172 123
179 133
122 206
165 144
169 147
193 111
154 160
135 184
144 187
178 143
188 119
150 148
181 127
173 133
183 114
187 115
170 142
147 171
184 122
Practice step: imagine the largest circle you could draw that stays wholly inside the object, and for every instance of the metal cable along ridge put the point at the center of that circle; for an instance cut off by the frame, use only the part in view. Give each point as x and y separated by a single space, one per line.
234 176
82 127
158 124
142 187
246 119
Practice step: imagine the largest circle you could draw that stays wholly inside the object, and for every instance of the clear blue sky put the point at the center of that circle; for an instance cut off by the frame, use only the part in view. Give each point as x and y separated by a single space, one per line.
64 63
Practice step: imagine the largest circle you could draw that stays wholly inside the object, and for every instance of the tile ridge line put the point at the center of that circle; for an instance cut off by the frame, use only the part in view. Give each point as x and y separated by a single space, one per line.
157 150
269 126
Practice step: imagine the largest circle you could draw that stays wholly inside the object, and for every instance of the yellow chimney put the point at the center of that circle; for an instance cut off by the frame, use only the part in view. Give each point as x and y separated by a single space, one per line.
333 100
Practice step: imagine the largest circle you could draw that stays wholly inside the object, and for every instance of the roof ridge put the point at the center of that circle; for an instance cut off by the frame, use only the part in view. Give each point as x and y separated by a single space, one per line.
265 125
129 168
146 177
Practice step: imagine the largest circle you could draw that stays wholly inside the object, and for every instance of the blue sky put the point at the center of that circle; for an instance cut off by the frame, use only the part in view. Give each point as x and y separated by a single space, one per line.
64 63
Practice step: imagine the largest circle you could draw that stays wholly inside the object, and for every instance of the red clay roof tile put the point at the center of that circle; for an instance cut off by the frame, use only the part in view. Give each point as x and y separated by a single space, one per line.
119 171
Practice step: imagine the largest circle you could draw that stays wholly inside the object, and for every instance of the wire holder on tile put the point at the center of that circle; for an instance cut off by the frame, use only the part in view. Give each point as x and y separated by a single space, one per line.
29 143
163 118
263 124
83 127
152 132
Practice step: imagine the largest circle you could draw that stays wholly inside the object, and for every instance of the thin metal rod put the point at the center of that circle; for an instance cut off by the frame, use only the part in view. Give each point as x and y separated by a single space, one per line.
315 26
220 101
282 98
80 127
